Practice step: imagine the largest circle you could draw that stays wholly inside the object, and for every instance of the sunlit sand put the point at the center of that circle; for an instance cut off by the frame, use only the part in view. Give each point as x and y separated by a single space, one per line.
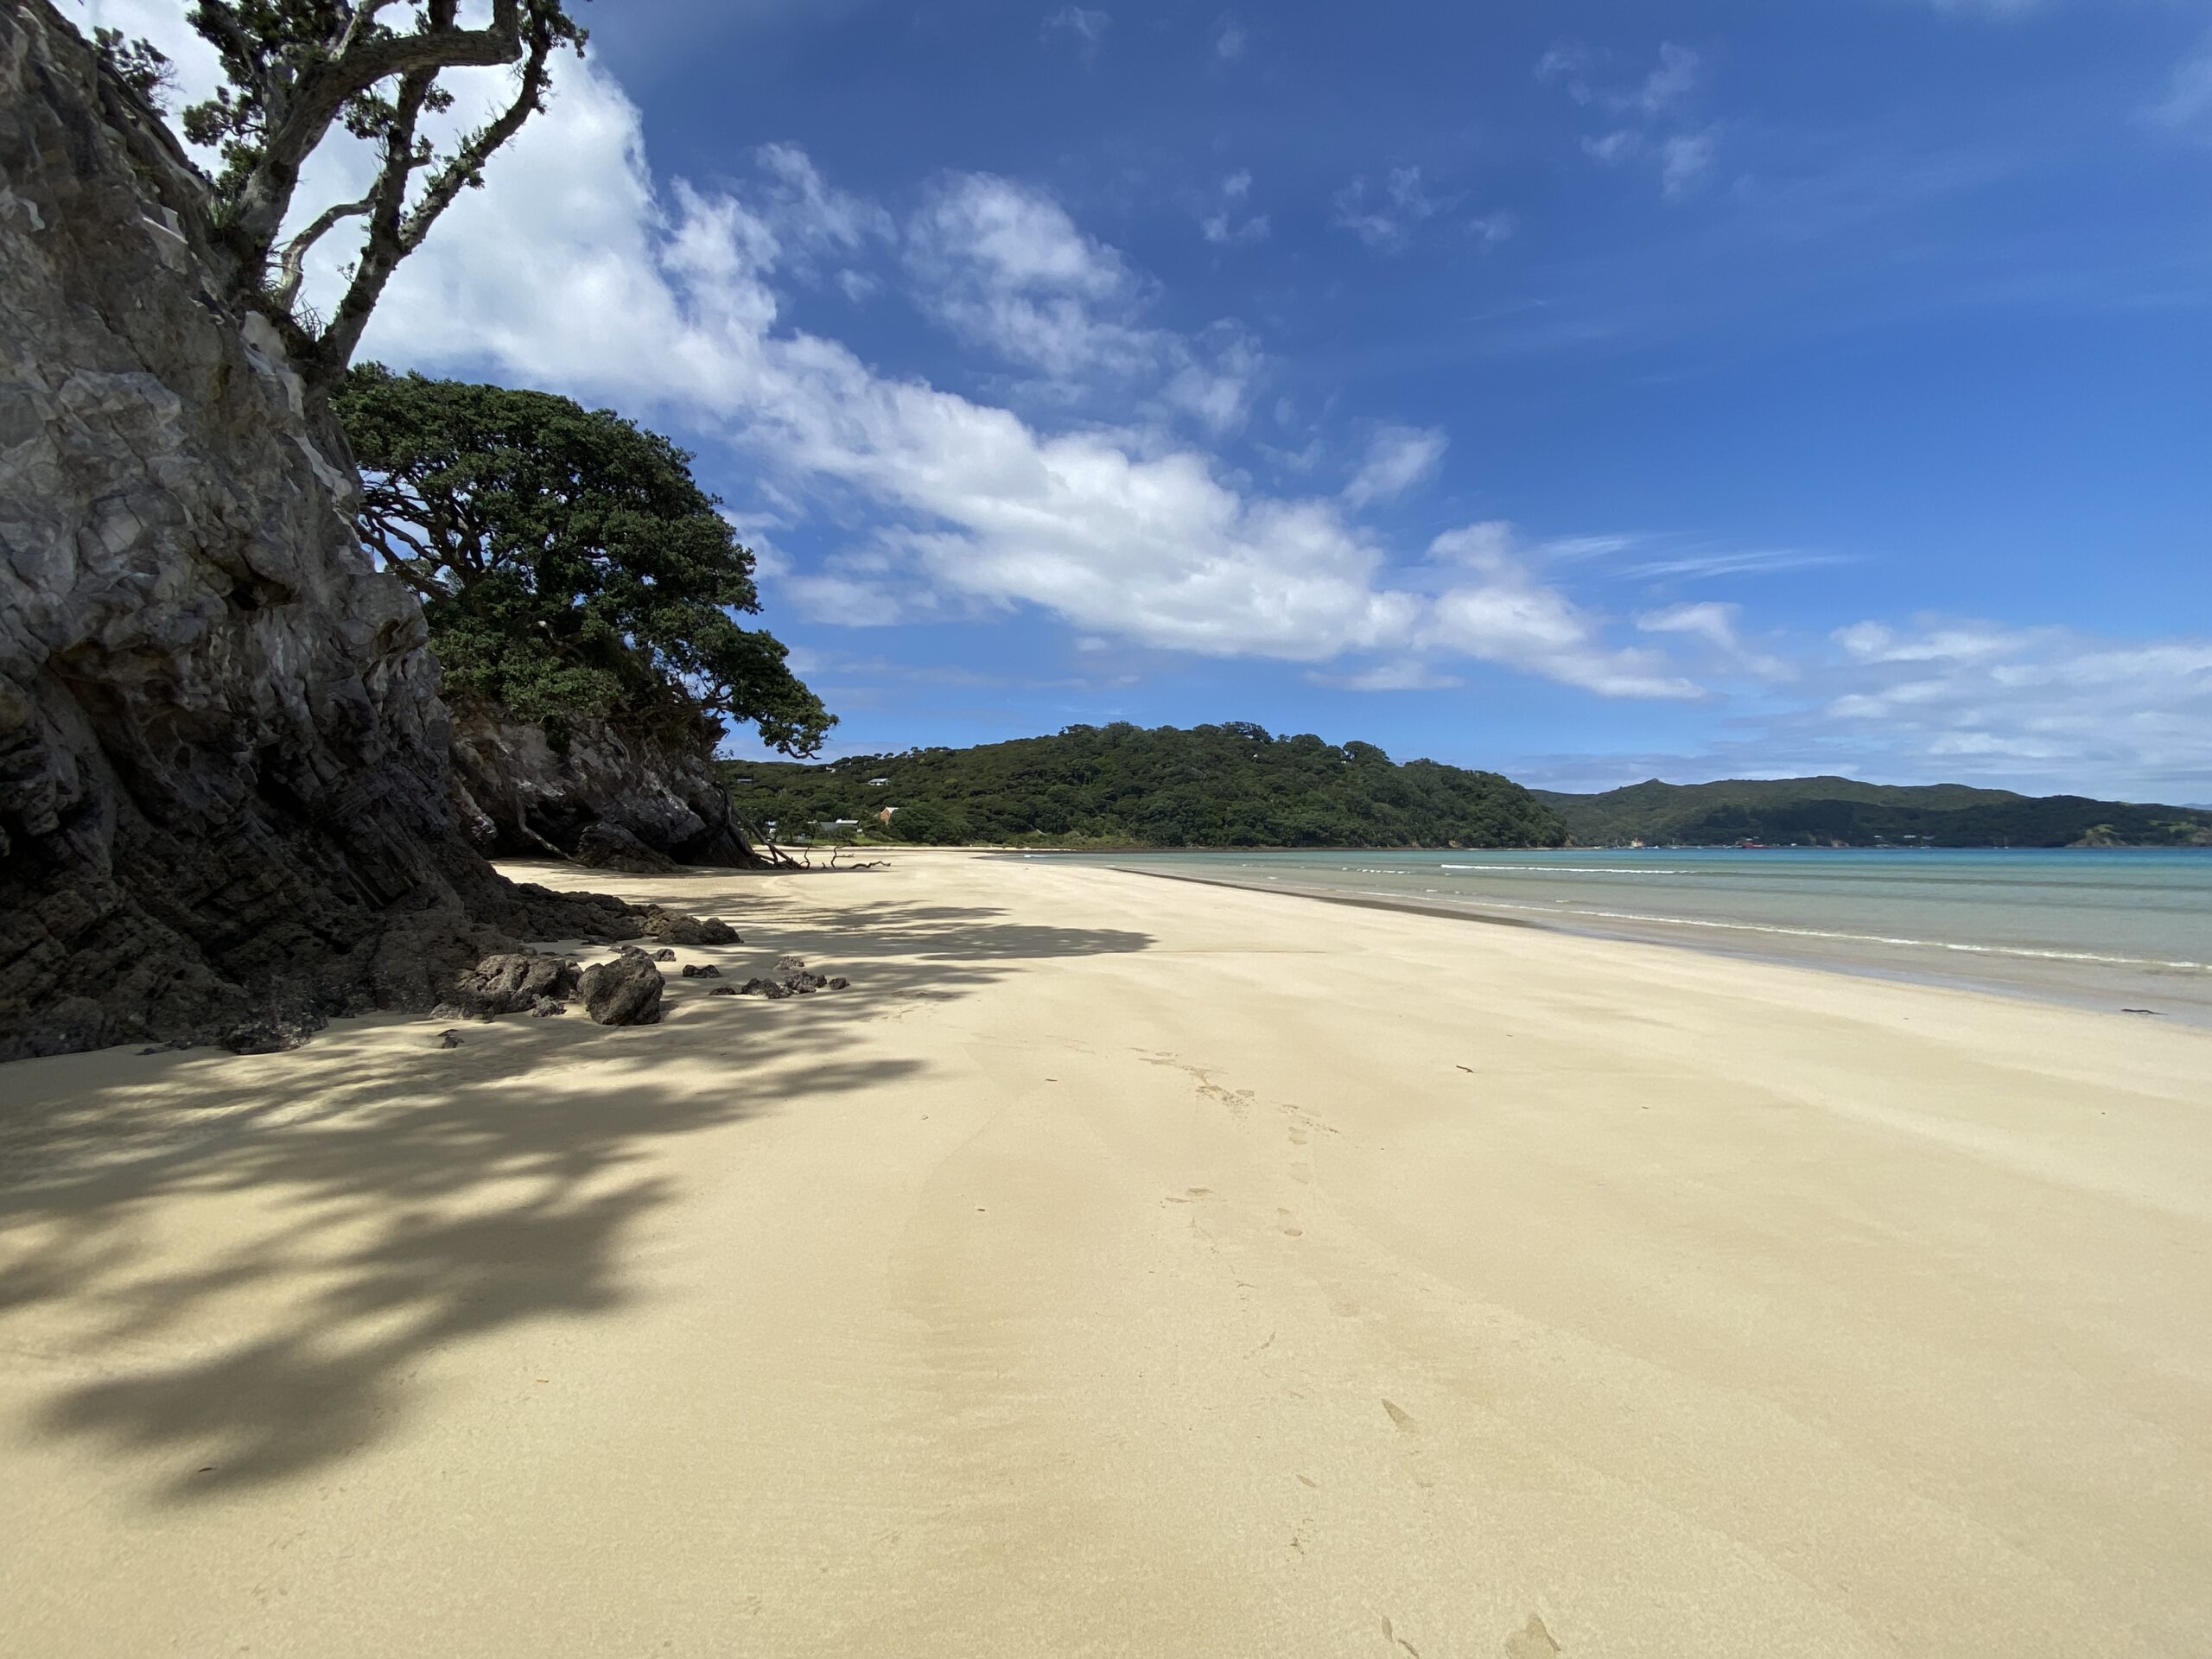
1123 1266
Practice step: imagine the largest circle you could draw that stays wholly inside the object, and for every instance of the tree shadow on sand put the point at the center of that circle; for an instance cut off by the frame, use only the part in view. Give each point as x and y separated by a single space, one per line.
415 1198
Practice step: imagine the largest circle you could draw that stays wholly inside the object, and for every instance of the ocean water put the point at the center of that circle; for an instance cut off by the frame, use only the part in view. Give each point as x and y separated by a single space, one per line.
2103 928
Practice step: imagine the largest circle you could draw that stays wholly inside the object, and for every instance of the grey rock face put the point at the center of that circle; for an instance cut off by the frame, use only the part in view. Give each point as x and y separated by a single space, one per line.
223 778
624 992
611 798
667 927
512 981
610 846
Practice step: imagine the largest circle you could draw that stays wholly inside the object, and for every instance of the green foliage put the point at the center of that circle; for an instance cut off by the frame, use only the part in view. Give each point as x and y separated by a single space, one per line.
1819 812
141 66
1121 786
567 561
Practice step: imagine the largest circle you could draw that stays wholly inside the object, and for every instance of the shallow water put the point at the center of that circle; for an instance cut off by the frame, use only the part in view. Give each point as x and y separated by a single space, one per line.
2107 928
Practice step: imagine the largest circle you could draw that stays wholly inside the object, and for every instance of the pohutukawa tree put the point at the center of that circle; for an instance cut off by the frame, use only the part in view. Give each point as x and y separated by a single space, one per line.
567 562
294 70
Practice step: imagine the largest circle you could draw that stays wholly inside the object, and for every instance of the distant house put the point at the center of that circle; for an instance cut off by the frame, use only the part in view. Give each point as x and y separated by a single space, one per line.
877 783
884 816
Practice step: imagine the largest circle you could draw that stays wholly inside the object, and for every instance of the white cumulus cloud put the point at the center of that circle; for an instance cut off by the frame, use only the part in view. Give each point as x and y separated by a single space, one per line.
669 304
1498 612
2051 706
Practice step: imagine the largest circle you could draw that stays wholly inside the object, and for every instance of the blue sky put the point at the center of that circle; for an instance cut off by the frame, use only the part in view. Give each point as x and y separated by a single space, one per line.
1586 391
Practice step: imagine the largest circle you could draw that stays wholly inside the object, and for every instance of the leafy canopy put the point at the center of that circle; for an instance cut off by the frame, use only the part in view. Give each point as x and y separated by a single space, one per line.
141 66
567 561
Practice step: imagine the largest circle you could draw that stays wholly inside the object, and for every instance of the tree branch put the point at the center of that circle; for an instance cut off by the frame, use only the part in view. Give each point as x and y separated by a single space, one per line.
299 115
466 165
236 45
295 252
393 237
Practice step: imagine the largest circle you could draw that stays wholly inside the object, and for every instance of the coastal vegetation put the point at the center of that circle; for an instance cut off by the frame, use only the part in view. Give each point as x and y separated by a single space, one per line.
1842 812
1234 784
233 815
569 567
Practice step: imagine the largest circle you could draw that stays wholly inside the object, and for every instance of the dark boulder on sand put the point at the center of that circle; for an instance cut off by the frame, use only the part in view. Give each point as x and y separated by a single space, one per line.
624 992
510 982
793 981
666 927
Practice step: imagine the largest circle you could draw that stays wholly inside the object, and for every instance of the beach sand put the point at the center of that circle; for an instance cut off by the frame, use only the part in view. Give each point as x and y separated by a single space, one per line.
1124 1267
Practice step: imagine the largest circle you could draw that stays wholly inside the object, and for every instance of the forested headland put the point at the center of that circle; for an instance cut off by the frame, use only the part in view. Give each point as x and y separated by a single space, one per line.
1235 784
1842 812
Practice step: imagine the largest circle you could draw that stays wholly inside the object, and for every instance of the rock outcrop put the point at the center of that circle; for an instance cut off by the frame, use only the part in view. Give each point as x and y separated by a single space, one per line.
224 774
610 846
667 927
626 991
512 982
793 978
608 796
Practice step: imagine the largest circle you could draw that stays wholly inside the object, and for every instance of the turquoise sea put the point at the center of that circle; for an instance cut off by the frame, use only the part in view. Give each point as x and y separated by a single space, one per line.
2119 928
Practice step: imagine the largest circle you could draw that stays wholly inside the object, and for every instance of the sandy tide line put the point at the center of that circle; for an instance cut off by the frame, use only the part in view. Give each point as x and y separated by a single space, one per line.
1124 1267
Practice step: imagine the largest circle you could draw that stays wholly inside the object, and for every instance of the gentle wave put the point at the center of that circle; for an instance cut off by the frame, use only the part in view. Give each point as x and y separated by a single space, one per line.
1824 933
1572 869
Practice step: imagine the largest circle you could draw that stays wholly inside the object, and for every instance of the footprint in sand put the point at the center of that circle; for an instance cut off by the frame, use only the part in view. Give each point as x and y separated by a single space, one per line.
1531 1641
1288 1223
1416 1461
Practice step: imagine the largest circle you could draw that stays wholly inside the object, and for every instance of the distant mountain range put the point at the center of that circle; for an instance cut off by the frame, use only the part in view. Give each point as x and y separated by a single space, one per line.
1829 811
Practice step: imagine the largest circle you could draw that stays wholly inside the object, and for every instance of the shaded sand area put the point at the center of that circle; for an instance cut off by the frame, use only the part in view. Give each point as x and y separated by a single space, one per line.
1124 1267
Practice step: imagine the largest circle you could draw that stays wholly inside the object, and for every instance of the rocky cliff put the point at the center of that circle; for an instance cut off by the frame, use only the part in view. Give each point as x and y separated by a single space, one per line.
520 795
223 761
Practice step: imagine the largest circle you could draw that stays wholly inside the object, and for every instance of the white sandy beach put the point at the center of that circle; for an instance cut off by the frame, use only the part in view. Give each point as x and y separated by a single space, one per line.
1123 1266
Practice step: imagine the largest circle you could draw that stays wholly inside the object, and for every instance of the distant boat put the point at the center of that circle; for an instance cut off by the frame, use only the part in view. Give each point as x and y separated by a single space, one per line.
1753 847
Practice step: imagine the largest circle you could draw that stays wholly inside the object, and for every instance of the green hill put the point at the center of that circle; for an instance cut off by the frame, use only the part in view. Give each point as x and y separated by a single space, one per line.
1822 811
1123 786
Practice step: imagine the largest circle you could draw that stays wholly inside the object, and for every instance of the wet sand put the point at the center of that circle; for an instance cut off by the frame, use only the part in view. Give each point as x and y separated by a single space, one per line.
1123 1266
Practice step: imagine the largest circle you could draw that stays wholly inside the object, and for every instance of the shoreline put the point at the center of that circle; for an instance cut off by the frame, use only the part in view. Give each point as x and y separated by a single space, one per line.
1118 1268
2056 981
